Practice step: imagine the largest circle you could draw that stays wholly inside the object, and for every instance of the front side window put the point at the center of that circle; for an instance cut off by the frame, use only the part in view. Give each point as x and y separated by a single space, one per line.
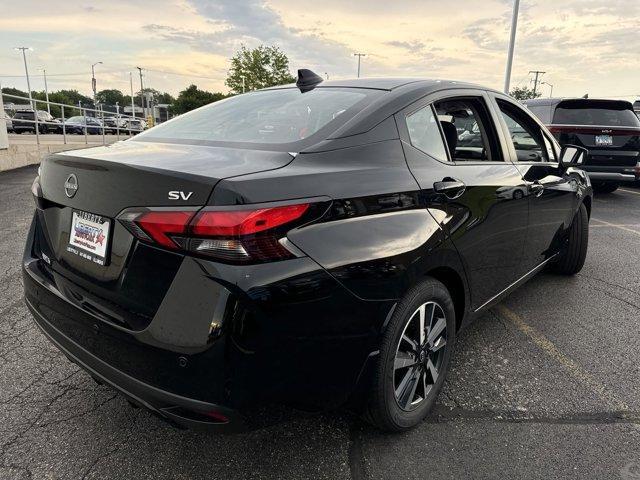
274 117
424 133
525 134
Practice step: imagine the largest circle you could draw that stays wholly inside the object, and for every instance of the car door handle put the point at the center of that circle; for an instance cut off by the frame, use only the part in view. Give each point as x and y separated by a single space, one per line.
450 187
536 188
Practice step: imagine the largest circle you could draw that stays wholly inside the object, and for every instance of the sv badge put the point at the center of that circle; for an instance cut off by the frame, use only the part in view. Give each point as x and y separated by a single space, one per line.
179 195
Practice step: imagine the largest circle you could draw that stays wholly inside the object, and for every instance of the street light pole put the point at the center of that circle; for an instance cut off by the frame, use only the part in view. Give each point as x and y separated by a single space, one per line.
133 107
26 71
512 43
46 89
359 55
551 86
93 82
142 94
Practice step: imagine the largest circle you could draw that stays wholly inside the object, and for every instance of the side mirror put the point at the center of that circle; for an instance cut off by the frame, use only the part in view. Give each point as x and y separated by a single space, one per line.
573 156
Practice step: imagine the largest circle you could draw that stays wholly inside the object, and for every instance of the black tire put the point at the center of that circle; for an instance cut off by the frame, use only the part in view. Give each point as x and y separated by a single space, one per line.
574 249
384 408
605 187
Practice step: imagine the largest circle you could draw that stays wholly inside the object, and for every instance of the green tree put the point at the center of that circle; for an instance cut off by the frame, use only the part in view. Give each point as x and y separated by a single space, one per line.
524 93
261 67
192 97
13 91
110 97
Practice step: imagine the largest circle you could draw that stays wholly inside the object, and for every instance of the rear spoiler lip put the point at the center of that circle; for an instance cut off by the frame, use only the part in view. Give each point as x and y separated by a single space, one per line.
597 129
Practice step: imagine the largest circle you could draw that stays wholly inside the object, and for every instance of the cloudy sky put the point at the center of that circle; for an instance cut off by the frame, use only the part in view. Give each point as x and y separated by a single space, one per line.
584 45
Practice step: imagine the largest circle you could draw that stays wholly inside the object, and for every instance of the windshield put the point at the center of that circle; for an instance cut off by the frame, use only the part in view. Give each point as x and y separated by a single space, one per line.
607 113
280 116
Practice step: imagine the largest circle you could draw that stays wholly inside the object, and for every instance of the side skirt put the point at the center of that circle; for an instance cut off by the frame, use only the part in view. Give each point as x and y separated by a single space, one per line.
527 276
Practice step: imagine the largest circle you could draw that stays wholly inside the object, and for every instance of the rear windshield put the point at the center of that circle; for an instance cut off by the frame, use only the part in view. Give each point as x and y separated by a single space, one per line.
608 113
25 115
543 112
271 117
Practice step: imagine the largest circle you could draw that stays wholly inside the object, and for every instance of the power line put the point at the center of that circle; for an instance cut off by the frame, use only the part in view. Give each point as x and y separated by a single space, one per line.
182 74
65 74
187 75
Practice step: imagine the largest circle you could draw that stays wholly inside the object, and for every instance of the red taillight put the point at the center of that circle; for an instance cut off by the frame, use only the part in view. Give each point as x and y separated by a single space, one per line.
593 130
162 226
244 222
234 235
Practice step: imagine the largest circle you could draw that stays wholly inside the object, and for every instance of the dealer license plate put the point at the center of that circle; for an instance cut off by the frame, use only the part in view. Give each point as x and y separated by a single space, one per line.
89 236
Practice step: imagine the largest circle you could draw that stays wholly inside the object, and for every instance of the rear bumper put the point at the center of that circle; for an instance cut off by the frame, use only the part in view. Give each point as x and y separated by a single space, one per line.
286 334
612 173
178 410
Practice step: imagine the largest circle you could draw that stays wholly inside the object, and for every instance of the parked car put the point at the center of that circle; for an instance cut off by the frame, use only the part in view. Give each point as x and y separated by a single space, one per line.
113 124
609 129
24 121
135 125
78 124
315 245
9 121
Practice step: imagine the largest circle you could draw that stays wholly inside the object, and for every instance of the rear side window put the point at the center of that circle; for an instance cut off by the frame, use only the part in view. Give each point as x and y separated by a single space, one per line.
424 133
595 112
468 129
281 116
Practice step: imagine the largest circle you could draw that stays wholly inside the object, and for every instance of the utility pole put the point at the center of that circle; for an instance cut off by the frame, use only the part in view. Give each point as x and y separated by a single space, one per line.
133 107
512 44
537 73
4 138
46 89
359 55
93 82
243 77
142 94
26 71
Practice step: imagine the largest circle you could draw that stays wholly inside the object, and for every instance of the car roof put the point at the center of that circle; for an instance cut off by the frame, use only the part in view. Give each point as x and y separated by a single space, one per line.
389 83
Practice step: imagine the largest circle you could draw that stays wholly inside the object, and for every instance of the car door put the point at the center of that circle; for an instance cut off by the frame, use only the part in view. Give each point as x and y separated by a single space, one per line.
456 154
552 194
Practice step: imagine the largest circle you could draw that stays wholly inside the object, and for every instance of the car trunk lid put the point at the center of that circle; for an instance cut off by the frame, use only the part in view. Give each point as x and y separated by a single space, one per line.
130 174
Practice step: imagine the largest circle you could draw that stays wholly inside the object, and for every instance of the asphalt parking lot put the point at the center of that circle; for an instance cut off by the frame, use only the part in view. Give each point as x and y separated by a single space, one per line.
545 385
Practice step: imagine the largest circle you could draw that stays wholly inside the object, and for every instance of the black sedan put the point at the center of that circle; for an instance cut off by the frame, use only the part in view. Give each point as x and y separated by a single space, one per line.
78 125
317 245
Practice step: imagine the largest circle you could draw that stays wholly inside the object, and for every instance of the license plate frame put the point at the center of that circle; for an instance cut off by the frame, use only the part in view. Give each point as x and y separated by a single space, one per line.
603 140
90 236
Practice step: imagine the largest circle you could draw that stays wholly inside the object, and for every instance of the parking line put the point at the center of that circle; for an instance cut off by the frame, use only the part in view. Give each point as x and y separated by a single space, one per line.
571 365
628 191
620 227
616 225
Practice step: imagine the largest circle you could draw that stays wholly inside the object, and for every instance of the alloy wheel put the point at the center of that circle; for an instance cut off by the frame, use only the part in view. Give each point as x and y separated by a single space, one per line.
419 355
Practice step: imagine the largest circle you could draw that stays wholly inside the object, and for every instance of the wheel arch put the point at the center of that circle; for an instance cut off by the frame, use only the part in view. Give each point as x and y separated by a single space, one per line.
454 283
587 203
